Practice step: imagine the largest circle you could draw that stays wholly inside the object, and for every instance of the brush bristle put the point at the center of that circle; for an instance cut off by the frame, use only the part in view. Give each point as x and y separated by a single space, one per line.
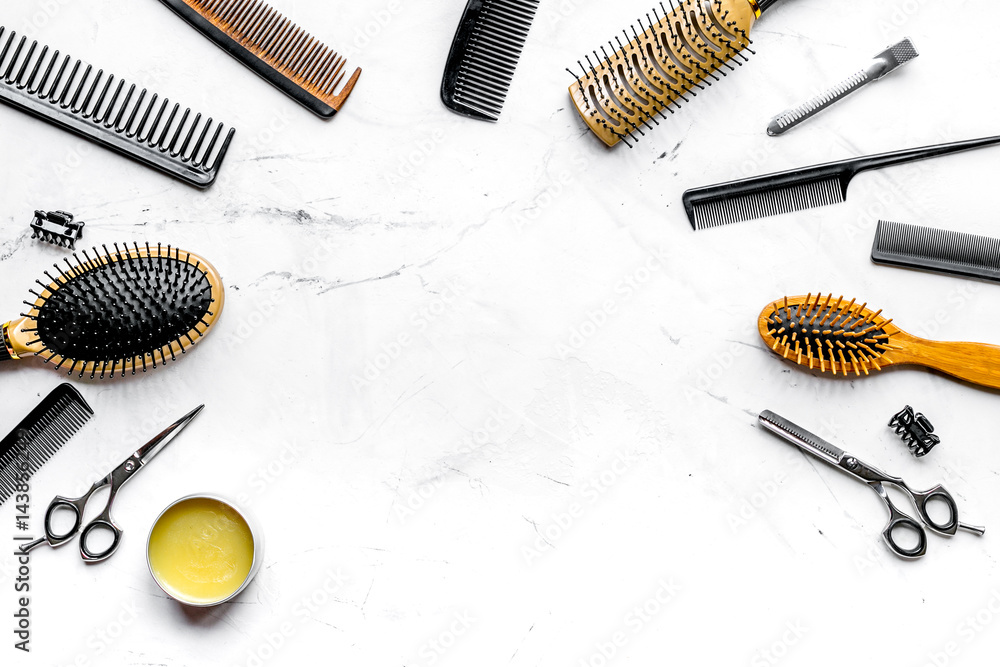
826 333
663 63
120 309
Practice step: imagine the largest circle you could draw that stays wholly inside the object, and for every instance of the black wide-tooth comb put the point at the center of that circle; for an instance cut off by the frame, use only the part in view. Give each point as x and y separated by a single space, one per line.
92 106
128 309
938 250
40 435
484 55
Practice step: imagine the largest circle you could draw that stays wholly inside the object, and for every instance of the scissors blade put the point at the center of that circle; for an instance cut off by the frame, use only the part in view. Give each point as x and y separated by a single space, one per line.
803 439
153 447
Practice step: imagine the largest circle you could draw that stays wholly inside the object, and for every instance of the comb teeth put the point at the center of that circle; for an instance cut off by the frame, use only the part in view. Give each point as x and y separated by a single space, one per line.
484 55
107 111
273 47
660 65
954 253
723 210
40 435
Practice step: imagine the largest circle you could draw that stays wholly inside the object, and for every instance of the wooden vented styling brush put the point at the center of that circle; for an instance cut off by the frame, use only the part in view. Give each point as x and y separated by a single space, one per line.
123 310
833 335
662 64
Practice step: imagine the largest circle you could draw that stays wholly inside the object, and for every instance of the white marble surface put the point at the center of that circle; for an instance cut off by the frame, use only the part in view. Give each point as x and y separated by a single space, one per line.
487 392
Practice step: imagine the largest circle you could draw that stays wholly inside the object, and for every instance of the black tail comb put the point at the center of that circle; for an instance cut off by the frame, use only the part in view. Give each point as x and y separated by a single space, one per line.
40 435
67 93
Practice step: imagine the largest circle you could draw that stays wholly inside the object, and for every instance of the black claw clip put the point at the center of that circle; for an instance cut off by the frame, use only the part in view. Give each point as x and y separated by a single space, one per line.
915 430
57 228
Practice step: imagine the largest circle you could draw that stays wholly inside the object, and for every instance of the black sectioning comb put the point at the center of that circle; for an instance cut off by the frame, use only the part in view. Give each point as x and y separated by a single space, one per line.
126 309
938 250
799 189
67 93
40 435
484 55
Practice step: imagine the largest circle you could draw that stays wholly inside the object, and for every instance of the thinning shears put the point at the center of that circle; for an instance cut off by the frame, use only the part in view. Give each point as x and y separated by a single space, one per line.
876 480
115 479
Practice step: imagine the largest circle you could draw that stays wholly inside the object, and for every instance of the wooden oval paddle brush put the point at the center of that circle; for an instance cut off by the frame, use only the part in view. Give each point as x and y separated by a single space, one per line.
673 58
835 336
123 310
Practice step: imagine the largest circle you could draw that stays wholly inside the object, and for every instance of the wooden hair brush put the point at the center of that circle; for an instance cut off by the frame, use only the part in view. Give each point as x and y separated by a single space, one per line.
127 309
667 63
837 336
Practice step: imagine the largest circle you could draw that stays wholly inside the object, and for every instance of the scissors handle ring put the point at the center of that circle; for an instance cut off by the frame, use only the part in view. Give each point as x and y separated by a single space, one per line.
920 500
898 519
103 522
62 503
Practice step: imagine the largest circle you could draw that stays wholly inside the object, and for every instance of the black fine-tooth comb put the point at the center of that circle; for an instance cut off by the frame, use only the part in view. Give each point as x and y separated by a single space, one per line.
799 189
938 250
274 48
484 55
92 106
40 435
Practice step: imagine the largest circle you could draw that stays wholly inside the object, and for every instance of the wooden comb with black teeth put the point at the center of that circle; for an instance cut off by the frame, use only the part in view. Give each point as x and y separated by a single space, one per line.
673 57
833 335
277 50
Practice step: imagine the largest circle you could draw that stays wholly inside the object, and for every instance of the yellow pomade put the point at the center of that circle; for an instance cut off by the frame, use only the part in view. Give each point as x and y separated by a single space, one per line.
201 550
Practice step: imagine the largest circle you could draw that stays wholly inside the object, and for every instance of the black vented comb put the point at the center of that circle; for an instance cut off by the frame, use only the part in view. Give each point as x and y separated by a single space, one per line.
484 55
938 250
67 93
40 435
799 189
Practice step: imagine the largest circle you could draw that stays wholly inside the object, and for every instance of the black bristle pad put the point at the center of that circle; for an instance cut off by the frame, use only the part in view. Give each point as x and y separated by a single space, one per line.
40 435
119 307
484 55
829 328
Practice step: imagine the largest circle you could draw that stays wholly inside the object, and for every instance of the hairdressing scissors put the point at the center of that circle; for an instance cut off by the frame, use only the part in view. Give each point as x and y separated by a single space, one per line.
115 479
876 479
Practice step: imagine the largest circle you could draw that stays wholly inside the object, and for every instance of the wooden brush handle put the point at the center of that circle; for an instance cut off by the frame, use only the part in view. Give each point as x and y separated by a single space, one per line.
978 363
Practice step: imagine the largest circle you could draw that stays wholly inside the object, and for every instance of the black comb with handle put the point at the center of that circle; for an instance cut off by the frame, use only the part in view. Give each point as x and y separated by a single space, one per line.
40 435
799 189
938 250
484 55
67 93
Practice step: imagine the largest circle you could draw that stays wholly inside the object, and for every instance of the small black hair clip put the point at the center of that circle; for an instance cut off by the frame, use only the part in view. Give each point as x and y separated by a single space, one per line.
57 228
915 430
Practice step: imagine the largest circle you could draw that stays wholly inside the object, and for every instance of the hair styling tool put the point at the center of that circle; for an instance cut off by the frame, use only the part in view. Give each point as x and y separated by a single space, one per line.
94 108
118 311
889 60
667 61
954 253
40 435
915 430
274 48
799 189
484 55
876 479
57 228
115 480
836 336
